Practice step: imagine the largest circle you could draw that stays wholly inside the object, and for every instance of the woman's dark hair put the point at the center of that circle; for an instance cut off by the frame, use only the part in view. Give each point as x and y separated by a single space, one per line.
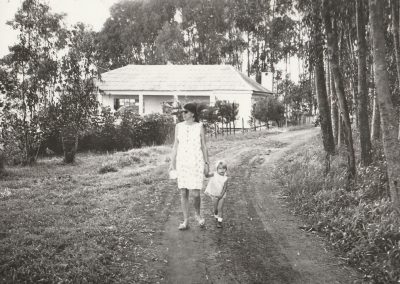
192 107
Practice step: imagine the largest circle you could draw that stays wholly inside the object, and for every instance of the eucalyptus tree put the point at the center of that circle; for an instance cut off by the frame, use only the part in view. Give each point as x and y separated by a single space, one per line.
396 39
330 24
32 66
77 103
363 118
206 25
128 35
313 19
170 45
388 115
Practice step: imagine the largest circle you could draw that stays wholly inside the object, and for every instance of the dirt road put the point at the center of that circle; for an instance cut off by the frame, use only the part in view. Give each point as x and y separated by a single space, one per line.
261 241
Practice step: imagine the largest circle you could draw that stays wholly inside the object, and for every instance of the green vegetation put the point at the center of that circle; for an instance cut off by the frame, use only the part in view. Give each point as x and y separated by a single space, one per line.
72 224
357 220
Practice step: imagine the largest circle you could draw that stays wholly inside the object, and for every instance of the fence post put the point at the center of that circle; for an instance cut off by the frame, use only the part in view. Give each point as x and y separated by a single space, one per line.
242 125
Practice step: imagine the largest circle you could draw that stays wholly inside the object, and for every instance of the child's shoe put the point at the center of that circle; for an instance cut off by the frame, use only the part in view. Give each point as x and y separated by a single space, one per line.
219 223
216 215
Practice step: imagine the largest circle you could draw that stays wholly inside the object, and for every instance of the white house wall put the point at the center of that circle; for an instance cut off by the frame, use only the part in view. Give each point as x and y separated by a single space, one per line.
153 104
152 100
243 99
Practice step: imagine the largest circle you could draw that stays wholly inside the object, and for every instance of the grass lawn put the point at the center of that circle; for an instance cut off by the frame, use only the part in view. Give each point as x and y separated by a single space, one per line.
75 223
99 220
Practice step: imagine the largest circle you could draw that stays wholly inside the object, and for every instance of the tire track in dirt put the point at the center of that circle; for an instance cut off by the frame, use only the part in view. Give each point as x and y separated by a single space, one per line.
260 241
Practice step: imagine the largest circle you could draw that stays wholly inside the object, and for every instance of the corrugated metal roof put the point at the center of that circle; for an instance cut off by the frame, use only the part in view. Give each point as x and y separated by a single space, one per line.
178 78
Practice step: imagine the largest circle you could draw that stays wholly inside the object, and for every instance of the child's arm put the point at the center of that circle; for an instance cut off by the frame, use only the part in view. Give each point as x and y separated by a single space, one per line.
224 189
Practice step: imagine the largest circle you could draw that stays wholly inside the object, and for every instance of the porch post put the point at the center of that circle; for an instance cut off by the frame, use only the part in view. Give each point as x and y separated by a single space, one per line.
141 104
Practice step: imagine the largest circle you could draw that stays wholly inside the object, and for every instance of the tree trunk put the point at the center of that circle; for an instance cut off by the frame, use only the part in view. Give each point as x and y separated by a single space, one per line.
69 139
340 129
248 54
362 106
334 111
323 104
388 114
395 30
376 122
352 81
337 76
2 161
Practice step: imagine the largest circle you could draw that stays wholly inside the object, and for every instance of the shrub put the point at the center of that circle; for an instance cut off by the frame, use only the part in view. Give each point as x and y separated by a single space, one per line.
107 168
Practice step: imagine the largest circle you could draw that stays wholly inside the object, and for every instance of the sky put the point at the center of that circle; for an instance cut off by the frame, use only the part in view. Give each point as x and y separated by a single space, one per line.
91 12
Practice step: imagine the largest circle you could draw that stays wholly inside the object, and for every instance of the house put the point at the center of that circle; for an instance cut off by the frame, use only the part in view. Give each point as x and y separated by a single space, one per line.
147 87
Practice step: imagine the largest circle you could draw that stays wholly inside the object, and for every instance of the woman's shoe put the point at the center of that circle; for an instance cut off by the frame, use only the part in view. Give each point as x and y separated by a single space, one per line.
219 224
200 220
183 226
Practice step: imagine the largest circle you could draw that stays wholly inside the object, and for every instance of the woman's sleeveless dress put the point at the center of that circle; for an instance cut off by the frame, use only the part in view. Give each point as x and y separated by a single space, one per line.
189 159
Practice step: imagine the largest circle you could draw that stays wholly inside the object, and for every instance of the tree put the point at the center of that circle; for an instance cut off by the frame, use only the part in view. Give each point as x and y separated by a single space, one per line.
363 121
323 104
268 109
32 66
170 45
388 114
332 43
128 35
78 100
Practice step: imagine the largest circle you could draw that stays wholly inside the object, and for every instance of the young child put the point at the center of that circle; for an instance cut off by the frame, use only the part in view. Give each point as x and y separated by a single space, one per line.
216 189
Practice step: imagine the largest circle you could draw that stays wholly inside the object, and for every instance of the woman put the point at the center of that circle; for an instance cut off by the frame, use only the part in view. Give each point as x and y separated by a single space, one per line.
190 160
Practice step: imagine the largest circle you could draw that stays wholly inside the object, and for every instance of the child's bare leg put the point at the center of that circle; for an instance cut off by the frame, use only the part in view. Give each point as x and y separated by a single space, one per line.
215 205
185 205
220 208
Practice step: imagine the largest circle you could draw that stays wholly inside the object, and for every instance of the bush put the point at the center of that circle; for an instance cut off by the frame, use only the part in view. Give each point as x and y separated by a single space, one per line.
360 222
107 169
120 132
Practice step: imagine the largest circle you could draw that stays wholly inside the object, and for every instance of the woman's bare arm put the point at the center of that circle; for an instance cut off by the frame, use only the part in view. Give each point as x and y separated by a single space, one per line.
174 149
204 150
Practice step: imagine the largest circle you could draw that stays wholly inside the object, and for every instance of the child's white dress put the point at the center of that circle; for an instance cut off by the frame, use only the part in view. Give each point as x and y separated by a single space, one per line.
216 185
189 158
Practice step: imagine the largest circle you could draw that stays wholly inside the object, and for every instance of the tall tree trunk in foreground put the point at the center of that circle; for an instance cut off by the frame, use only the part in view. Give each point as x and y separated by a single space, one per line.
389 121
396 39
362 106
333 61
376 121
323 103
334 110
2 161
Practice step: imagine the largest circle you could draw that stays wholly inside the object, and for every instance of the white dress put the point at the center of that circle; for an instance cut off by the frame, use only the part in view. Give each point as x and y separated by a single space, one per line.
189 158
216 185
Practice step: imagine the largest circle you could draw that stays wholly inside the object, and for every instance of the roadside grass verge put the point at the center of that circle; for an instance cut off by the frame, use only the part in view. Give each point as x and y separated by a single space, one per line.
357 222
70 224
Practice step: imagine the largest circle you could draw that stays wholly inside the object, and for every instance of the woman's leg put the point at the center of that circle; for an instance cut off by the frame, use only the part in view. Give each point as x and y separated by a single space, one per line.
185 205
197 203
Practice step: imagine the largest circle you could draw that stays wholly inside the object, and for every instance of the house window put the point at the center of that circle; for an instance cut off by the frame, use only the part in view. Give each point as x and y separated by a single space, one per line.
120 102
